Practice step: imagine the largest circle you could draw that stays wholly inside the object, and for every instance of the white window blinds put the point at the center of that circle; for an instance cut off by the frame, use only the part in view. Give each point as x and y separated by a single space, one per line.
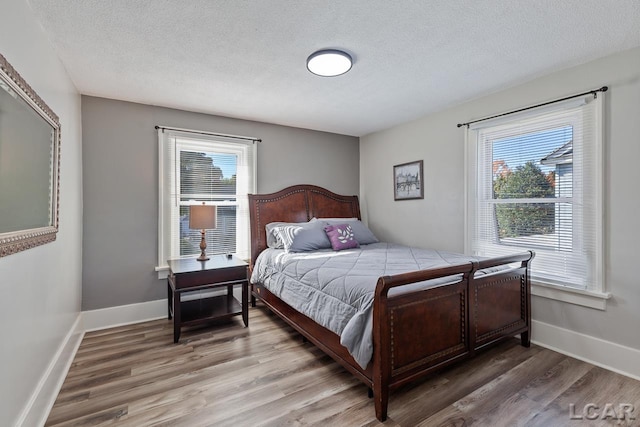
198 168
535 182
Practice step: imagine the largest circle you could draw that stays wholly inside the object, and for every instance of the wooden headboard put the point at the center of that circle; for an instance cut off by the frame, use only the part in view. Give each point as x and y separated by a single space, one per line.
298 203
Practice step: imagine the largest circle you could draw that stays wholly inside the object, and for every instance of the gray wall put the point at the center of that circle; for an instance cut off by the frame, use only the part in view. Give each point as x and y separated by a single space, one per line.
41 286
120 158
438 220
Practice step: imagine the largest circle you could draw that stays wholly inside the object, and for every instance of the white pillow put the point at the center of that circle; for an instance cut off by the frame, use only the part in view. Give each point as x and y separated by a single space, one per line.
273 239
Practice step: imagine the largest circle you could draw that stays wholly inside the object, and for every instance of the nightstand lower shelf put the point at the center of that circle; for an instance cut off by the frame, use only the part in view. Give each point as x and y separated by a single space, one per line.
207 309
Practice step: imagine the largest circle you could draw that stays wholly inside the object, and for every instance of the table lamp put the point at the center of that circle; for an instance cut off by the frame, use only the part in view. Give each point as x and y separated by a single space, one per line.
202 217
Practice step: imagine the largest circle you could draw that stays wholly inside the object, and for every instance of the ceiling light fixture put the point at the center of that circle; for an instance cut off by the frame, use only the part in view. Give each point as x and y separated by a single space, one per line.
329 62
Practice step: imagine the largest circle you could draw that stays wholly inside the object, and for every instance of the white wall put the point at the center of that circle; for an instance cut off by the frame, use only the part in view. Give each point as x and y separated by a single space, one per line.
438 220
41 287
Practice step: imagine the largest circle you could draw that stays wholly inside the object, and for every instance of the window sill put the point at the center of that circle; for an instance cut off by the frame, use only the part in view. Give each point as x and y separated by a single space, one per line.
163 271
591 299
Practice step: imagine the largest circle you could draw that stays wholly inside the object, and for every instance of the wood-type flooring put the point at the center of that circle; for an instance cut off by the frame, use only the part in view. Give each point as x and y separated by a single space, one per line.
266 375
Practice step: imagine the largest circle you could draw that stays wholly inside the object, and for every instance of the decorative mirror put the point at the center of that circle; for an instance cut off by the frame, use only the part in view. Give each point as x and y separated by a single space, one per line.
29 165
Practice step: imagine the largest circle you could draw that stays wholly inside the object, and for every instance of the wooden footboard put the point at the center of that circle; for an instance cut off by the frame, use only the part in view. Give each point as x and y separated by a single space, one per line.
501 304
420 332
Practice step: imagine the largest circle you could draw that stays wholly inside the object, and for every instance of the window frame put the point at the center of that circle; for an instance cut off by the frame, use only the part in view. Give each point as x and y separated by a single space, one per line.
595 294
170 144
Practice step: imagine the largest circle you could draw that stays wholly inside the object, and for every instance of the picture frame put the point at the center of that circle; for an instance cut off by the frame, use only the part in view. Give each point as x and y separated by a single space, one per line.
408 181
29 214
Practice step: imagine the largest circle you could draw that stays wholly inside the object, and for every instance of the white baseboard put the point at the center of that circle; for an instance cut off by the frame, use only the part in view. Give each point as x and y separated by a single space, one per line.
37 409
608 355
110 317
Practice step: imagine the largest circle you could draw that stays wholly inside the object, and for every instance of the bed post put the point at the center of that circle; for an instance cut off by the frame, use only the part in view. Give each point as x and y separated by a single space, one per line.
470 310
382 349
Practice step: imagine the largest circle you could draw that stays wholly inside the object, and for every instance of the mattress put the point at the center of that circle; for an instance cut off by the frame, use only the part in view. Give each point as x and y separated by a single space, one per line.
336 289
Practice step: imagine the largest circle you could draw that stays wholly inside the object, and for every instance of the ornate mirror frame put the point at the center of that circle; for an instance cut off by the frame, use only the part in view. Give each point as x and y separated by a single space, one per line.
16 240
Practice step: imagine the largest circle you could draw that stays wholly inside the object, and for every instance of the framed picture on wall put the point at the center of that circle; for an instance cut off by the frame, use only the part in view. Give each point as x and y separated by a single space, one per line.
408 181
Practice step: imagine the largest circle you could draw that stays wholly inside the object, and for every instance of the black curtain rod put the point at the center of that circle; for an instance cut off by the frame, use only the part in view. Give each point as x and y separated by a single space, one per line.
247 138
593 92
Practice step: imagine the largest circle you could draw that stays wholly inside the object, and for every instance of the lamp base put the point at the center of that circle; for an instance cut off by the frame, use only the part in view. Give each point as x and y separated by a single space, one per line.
203 247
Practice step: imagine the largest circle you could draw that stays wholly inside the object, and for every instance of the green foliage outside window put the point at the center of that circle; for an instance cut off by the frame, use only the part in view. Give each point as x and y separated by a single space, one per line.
524 219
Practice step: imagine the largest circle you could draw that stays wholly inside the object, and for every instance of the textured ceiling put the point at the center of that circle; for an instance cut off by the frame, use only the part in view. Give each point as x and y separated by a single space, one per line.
247 58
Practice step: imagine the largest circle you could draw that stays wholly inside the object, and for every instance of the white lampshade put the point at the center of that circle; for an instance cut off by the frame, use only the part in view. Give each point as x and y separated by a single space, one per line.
202 217
329 62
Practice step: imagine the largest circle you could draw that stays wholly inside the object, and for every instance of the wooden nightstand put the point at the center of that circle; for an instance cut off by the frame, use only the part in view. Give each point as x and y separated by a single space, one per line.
188 274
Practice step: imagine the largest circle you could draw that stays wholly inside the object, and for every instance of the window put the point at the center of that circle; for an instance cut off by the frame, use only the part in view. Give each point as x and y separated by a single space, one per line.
535 182
196 168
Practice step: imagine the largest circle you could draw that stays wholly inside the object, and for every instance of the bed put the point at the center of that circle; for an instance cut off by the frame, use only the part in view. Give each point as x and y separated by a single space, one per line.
416 326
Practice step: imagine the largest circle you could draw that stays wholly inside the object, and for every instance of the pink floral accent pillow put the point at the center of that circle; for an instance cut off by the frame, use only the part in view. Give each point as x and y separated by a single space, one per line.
341 237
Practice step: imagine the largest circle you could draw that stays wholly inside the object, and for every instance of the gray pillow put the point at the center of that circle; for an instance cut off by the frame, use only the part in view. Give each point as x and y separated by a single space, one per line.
362 234
308 236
